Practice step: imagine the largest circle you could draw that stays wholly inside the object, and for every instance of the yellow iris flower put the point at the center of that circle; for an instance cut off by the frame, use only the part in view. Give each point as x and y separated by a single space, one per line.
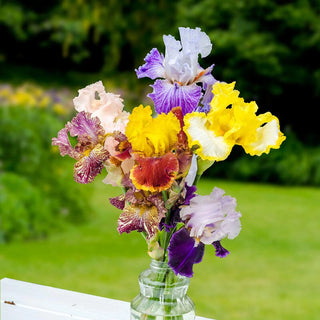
231 121
152 137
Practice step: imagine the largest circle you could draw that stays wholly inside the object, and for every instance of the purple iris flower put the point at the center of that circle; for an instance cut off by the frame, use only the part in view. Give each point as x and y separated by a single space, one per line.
180 72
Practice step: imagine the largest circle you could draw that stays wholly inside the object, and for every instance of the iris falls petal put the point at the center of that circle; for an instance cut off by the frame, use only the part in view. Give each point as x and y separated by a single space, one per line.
88 167
184 252
153 68
167 96
155 174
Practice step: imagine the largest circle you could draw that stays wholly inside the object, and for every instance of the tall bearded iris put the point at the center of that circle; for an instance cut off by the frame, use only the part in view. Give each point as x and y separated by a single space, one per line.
89 150
180 72
231 121
152 141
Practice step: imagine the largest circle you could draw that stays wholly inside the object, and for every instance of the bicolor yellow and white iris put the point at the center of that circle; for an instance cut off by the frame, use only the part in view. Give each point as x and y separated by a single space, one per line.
231 121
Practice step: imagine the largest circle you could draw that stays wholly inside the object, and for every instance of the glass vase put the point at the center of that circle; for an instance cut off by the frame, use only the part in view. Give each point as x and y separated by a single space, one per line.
163 295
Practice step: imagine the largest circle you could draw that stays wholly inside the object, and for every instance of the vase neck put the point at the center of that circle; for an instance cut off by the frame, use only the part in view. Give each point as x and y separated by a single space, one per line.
156 265
160 280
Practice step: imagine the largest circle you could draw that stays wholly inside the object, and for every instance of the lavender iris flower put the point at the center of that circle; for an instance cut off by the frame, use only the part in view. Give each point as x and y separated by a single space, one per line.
212 217
208 219
179 72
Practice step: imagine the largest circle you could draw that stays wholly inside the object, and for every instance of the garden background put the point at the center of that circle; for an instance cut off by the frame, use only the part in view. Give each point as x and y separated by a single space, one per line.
56 232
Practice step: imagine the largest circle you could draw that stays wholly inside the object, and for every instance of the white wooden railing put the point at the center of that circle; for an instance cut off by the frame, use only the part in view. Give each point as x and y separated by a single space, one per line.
27 301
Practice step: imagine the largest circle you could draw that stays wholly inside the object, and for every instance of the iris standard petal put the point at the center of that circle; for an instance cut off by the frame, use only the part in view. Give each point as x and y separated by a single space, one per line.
212 217
195 40
152 136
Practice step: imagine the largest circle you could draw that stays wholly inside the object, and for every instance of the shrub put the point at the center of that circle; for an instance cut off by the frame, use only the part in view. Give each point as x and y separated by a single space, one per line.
25 212
37 187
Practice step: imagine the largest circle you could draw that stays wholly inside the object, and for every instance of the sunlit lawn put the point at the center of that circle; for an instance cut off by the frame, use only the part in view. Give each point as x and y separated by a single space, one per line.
271 273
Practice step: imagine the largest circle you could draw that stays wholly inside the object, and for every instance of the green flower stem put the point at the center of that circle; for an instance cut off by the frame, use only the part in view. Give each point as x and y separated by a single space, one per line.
196 180
124 190
166 237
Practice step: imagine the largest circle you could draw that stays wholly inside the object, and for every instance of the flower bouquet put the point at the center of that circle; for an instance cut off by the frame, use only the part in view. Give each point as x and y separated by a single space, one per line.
158 158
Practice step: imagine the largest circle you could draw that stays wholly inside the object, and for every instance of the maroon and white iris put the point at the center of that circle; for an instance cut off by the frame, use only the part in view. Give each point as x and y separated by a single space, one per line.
178 72
89 150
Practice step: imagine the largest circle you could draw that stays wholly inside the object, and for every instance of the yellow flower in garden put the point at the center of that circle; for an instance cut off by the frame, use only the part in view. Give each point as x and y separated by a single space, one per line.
231 121
59 109
23 98
44 101
152 136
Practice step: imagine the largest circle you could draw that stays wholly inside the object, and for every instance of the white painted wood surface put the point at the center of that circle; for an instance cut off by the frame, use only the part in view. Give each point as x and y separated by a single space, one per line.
27 301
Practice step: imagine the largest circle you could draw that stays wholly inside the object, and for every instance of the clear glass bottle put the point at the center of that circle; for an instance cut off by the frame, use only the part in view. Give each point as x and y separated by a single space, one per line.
163 295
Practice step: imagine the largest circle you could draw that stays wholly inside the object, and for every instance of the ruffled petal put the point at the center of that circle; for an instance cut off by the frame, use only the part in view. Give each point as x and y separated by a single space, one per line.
181 58
268 136
88 167
209 145
153 68
212 217
118 202
236 121
111 113
167 95
152 136
108 107
221 252
184 253
86 100
195 41
86 126
140 218
155 174
63 142
88 131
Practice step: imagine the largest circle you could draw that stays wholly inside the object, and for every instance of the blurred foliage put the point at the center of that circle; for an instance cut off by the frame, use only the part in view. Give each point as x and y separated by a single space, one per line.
269 47
25 212
37 193
88 35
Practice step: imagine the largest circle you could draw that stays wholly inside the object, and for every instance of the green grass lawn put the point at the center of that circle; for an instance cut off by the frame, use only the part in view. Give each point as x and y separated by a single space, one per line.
271 273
